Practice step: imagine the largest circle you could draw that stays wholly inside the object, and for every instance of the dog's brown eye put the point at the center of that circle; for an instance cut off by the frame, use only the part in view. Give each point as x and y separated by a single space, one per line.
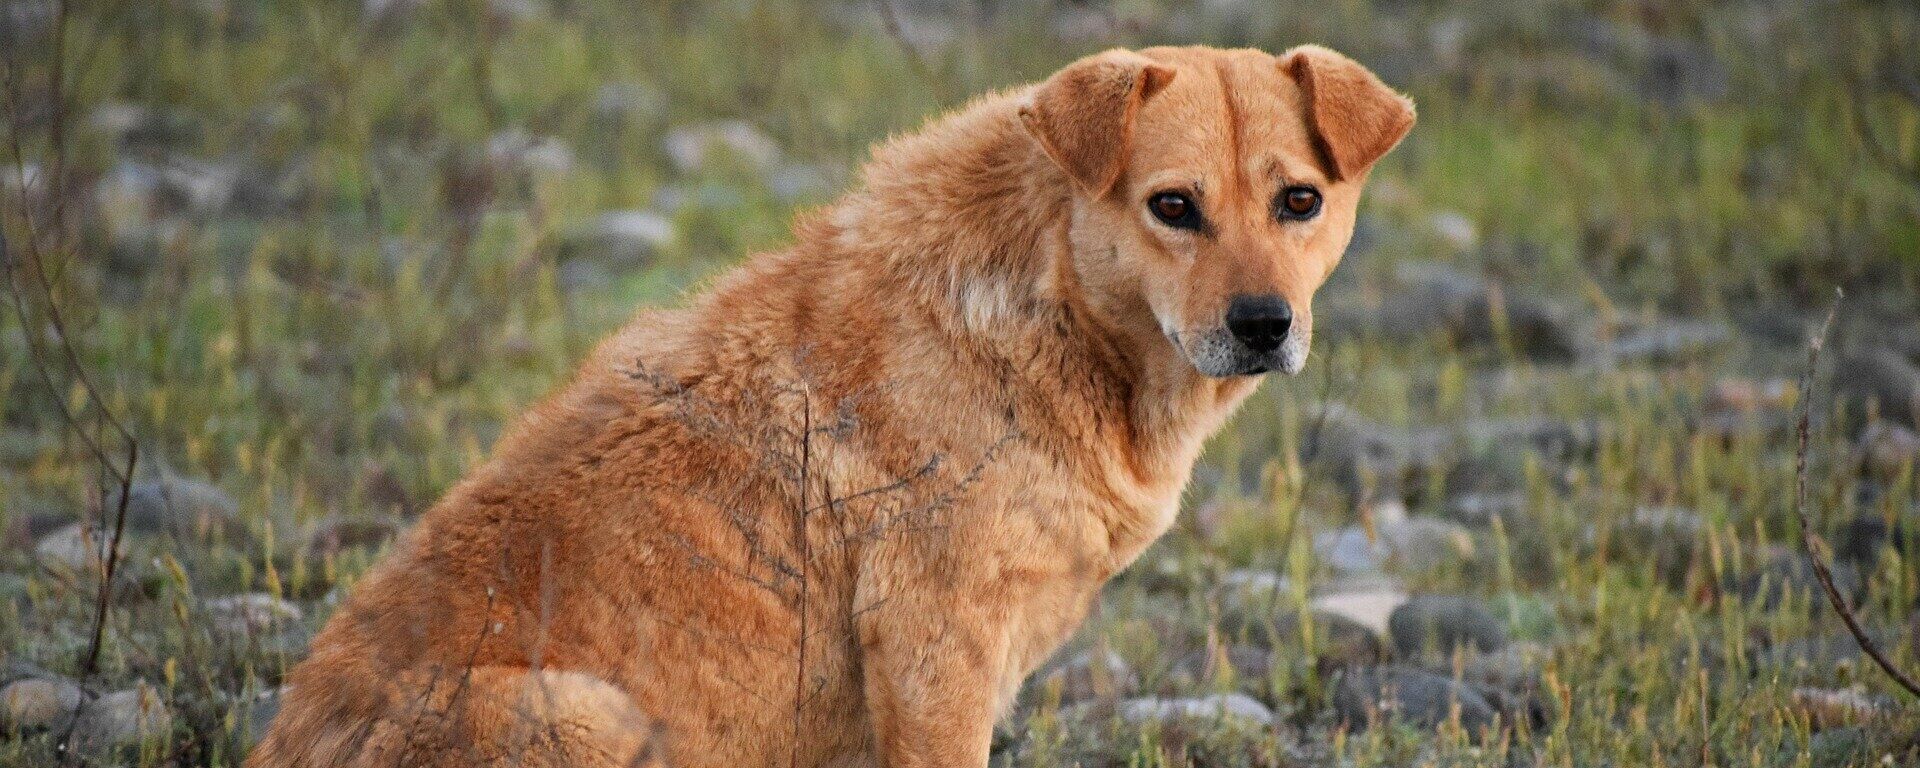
1299 203
1175 209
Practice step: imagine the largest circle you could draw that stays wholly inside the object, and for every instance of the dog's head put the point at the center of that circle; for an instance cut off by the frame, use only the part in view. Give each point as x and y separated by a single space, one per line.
1215 190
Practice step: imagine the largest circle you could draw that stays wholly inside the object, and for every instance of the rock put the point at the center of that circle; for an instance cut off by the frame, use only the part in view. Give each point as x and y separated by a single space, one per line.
1413 544
1379 694
1249 666
1090 675
1469 312
614 241
517 151
1509 678
1886 450
1338 640
793 181
74 554
252 613
186 509
1251 592
123 719
1859 542
1231 708
1827 708
335 534
1837 748
1670 341
70 552
1878 379
1787 572
260 712
38 704
1439 624
692 148
1366 458
1733 395
1820 659
620 102
1368 606
1455 228
1481 507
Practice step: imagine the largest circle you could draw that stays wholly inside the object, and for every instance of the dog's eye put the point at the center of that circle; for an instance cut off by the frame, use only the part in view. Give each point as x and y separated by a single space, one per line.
1175 210
1299 203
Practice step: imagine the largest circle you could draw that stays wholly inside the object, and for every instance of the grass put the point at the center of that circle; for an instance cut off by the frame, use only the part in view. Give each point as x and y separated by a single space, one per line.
350 331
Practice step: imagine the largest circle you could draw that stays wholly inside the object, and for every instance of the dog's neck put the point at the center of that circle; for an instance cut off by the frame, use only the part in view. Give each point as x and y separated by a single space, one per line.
978 220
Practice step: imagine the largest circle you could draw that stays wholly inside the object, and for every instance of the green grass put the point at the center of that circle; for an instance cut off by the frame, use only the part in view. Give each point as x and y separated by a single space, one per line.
364 339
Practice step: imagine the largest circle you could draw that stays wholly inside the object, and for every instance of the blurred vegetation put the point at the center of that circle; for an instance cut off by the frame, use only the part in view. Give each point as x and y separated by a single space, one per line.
317 254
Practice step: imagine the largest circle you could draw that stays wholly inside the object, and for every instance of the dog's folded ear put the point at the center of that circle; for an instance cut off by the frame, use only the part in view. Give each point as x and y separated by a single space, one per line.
1355 117
1083 116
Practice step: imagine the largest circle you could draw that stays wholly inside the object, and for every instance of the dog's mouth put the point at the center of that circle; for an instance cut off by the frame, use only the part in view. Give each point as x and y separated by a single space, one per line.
1215 353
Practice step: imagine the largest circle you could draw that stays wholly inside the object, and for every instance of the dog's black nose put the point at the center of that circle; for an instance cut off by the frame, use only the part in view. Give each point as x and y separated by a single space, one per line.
1260 322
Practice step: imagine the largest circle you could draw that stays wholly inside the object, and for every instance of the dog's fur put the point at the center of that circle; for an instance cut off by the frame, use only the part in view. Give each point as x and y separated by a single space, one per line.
836 510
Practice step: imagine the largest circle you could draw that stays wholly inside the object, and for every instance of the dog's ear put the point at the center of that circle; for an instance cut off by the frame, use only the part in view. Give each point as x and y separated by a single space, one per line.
1083 115
1355 117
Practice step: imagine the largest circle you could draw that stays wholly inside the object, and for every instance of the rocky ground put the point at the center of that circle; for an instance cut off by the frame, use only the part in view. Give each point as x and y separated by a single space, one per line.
1530 504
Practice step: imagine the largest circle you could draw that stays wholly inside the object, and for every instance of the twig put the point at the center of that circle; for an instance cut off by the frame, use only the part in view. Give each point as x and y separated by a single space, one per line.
1807 537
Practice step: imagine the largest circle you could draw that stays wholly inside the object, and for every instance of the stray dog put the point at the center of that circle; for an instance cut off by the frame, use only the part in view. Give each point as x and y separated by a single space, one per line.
833 512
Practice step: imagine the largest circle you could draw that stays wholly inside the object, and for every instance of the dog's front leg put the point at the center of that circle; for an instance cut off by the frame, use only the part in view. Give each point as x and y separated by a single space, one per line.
933 649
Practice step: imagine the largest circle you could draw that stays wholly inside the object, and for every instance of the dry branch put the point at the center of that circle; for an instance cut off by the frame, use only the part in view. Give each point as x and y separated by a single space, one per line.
1808 538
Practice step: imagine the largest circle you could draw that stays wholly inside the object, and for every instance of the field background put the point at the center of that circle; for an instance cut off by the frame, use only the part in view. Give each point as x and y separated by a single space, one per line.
1530 504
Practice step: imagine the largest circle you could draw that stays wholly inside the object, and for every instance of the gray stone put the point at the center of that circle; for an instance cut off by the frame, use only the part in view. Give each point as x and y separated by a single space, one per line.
1249 666
614 241
1413 544
692 148
520 152
1382 694
181 507
1090 675
1234 708
251 613
794 181
37 704
1429 300
1439 624
1670 341
123 719
616 102
1482 507
1886 450
336 534
1368 605
1879 379
1789 573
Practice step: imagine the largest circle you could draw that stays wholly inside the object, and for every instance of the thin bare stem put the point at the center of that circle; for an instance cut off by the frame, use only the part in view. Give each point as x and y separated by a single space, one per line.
1808 538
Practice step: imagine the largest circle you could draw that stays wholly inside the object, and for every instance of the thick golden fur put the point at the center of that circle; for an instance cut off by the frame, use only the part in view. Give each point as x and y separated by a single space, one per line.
833 512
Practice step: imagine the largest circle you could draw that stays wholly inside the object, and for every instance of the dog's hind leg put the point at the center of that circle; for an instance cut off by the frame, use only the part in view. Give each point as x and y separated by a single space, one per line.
487 716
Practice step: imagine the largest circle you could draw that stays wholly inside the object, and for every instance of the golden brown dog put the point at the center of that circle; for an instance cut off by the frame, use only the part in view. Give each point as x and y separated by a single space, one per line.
832 513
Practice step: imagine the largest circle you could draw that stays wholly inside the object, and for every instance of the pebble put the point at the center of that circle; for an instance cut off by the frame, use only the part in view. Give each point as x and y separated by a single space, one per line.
123 718
1827 708
1235 708
692 148
1091 675
182 507
38 703
1413 544
251 613
1440 624
1377 694
1368 606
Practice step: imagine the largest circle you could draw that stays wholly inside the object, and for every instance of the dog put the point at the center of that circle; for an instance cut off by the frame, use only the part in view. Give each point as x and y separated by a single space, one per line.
834 511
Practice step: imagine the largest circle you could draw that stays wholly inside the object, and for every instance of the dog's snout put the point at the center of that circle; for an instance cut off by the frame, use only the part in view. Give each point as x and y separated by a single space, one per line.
1260 322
